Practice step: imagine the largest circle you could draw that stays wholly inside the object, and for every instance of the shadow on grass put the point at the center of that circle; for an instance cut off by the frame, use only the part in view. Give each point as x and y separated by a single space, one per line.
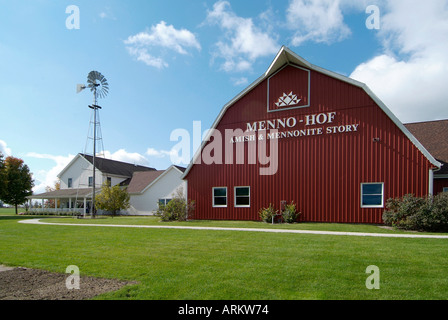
21 217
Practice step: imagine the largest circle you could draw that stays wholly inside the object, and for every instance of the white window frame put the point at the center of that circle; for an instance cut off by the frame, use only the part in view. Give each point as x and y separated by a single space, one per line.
90 181
213 198
70 183
382 195
235 196
165 201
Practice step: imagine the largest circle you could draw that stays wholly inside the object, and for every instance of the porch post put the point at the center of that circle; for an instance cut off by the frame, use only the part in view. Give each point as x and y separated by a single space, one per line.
85 204
70 204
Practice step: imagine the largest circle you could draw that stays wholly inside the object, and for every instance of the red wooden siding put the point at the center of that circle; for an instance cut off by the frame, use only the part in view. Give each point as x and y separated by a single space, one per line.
321 174
439 184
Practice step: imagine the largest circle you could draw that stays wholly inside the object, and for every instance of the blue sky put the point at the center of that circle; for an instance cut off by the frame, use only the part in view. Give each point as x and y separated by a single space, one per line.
172 62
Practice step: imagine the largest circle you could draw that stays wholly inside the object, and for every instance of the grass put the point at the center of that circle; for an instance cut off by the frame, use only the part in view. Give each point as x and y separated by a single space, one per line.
217 265
10 211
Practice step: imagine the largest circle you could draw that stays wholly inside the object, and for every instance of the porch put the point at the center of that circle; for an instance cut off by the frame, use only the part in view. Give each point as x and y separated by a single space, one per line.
65 200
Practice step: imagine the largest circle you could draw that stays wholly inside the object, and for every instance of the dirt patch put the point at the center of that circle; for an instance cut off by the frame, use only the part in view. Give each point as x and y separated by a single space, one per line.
31 284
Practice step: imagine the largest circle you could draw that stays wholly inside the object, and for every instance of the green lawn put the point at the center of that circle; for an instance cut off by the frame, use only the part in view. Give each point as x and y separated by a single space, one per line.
10 211
201 264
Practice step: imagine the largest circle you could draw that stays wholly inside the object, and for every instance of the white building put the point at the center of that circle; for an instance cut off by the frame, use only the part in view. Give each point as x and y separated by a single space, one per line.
148 189
146 185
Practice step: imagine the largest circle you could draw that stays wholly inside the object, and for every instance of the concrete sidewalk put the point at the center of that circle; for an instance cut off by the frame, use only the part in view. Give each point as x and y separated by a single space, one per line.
334 233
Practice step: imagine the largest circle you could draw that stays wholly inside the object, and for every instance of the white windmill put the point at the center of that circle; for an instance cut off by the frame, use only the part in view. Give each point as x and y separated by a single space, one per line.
100 88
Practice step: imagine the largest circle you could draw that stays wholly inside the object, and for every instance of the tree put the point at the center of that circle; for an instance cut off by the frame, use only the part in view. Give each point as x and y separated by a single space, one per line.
2 176
50 203
19 181
112 199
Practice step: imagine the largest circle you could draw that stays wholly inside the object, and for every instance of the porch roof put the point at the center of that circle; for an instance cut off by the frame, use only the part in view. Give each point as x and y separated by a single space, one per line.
64 194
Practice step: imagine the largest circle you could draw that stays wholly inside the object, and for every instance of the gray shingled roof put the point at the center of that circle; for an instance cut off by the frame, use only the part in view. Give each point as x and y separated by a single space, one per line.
433 135
116 167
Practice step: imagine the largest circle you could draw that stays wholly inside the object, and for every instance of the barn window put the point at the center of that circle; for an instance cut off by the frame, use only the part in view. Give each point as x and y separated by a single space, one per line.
220 197
372 195
242 196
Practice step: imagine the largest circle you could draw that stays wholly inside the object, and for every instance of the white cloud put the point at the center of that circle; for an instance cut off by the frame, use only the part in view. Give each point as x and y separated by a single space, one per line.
4 149
411 74
129 157
47 178
240 81
317 21
244 41
160 153
162 36
107 14
141 54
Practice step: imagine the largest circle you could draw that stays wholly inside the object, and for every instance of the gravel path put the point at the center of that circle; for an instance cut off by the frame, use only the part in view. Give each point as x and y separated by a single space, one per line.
335 233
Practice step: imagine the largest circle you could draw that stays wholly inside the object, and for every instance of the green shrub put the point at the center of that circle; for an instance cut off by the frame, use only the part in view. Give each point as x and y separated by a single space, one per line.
399 210
268 214
178 209
414 213
290 214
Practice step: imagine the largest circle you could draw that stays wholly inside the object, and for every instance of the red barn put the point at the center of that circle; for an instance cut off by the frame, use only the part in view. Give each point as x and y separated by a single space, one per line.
306 135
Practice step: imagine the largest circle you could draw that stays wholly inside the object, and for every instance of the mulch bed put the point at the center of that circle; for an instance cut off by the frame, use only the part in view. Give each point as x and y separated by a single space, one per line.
32 284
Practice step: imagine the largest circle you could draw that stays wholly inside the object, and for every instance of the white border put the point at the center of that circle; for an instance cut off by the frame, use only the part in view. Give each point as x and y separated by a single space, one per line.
234 197
213 197
382 195
290 108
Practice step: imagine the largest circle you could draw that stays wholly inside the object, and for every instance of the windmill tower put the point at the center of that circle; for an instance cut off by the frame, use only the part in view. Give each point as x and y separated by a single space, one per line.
100 88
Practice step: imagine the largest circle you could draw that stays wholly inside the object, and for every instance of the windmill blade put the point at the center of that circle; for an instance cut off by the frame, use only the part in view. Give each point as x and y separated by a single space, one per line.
98 83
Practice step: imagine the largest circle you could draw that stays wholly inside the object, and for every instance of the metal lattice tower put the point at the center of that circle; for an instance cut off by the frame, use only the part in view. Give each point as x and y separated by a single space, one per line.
100 88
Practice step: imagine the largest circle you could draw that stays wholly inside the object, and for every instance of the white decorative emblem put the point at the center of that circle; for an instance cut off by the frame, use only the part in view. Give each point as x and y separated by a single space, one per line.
287 100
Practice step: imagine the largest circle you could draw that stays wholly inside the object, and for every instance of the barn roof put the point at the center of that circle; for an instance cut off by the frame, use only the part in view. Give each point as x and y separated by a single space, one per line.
284 57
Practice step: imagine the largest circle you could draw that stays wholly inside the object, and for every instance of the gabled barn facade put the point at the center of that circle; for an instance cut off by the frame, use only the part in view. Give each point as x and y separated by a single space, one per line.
306 135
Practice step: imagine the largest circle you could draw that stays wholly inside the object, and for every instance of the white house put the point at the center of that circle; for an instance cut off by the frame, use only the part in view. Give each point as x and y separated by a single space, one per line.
148 189
76 182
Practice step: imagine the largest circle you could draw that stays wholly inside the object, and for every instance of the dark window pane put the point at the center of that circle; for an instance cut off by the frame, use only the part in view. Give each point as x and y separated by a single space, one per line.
220 192
372 189
372 200
242 201
220 201
242 191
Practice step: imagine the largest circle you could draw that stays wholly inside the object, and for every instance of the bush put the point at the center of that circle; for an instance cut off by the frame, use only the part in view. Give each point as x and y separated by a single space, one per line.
414 213
178 209
268 214
399 211
290 213
53 213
